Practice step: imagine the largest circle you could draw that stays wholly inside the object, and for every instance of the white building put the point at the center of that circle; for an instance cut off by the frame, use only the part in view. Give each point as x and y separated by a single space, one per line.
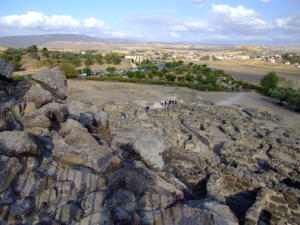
134 58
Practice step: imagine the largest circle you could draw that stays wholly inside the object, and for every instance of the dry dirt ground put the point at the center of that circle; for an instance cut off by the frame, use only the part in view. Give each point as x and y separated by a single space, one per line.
99 93
253 71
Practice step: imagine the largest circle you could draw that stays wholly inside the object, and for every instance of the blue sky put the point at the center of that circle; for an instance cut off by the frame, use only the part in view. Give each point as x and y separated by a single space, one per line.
267 22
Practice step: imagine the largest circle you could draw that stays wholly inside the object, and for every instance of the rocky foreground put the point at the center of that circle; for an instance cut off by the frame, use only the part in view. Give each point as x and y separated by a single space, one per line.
67 162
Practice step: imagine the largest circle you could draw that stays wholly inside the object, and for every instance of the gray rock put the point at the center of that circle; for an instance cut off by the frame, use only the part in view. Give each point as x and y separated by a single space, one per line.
84 179
46 198
102 118
122 198
66 190
87 120
191 213
55 112
38 95
120 216
100 218
6 69
18 143
21 208
100 158
93 202
137 178
54 81
31 183
35 119
9 168
146 144
154 201
68 212
7 197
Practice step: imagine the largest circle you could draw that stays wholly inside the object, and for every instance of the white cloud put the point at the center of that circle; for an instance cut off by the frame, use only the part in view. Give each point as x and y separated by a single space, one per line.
265 1
174 35
290 24
237 19
37 20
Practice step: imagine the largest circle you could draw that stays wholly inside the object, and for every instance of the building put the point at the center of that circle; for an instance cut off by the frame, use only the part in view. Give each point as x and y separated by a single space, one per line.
134 58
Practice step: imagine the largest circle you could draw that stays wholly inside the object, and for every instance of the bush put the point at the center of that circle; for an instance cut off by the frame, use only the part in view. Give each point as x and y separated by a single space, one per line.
171 77
68 69
269 81
189 77
111 69
86 70
88 62
31 49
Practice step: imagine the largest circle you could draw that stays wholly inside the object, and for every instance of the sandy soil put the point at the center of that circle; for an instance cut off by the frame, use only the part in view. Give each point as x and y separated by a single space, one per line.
99 93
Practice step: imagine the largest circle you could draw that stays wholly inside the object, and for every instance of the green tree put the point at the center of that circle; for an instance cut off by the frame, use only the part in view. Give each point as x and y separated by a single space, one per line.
171 77
88 61
68 69
189 77
111 69
269 81
86 70
130 74
32 48
99 58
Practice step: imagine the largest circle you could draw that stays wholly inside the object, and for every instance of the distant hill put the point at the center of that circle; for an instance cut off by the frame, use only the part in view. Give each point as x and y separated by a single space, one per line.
27 40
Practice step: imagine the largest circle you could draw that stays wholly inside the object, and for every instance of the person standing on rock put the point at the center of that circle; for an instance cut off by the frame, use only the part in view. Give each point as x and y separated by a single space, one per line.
147 109
123 116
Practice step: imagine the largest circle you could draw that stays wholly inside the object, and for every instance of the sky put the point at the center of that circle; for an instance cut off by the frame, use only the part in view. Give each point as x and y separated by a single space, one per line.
263 22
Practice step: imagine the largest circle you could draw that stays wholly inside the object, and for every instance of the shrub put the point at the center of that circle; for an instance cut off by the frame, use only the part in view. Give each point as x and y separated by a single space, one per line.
269 81
68 69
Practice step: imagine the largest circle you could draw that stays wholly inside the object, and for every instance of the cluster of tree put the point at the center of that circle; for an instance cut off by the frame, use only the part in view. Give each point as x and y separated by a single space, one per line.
291 57
14 55
270 87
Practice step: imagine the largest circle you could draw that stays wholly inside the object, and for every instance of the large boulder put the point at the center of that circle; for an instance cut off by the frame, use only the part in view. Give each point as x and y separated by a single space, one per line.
122 198
36 119
55 112
9 168
147 145
100 158
6 69
137 178
18 143
54 81
38 95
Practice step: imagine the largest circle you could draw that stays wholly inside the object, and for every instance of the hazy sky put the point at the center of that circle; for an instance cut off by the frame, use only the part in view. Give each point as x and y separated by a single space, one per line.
203 21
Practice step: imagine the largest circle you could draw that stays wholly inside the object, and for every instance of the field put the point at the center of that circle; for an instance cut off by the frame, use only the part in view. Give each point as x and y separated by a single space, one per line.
253 71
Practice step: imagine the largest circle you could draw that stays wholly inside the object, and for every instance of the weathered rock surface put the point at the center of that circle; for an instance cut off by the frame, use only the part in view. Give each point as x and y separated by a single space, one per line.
147 145
54 81
18 143
79 163
38 95
55 112
9 168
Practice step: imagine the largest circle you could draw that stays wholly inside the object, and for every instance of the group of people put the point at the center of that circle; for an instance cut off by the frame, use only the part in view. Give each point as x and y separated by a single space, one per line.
168 102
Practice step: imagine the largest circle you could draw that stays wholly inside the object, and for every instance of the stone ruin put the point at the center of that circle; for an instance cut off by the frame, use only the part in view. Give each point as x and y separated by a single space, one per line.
71 162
